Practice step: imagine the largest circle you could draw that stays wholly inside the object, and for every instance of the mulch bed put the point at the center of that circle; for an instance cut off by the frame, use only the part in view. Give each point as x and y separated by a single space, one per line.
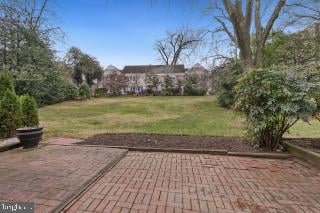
312 144
233 144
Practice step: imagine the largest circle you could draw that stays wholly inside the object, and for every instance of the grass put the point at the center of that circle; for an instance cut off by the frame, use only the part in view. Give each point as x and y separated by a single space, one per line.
171 115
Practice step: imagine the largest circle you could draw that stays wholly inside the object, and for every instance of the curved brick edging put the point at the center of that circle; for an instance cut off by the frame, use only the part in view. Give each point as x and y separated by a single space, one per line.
63 207
304 154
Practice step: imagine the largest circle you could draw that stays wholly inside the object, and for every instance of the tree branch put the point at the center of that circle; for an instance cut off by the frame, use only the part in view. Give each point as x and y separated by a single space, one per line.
248 13
225 29
272 19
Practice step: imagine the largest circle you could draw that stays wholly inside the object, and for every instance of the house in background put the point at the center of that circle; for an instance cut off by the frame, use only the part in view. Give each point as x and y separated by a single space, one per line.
138 76
113 80
202 75
135 79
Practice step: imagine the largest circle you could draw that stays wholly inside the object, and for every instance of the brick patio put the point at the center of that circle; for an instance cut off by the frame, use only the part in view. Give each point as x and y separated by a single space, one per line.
168 182
50 174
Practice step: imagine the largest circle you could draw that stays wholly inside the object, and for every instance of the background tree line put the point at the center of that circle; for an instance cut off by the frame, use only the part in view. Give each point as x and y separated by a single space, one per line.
27 36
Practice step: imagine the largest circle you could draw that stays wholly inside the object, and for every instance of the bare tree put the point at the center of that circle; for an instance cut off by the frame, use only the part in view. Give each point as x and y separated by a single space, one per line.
305 10
236 23
177 45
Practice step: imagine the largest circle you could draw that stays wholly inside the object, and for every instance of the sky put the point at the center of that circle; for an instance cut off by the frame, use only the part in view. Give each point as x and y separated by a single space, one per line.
123 32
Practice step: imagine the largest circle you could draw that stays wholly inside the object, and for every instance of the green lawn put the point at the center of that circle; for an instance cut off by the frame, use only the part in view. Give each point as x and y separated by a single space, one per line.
174 115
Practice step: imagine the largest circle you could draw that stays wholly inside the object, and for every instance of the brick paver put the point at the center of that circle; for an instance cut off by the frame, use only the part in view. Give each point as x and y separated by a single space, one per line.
48 175
169 182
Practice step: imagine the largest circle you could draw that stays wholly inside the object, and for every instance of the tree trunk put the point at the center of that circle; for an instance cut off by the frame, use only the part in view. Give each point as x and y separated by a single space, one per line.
246 56
241 23
317 38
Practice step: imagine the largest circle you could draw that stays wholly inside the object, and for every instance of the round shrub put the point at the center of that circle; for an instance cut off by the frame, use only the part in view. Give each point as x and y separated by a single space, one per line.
225 98
29 109
70 92
84 91
10 114
273 100
101 92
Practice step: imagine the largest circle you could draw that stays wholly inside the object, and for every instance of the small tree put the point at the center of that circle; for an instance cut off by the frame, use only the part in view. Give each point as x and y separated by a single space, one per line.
168 85
29 111
10 114
192 86
5 83
154 82
84 91
273 100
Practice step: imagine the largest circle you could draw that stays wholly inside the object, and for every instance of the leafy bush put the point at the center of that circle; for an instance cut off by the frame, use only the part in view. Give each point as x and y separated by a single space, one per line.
148 92
100 92
225 98
84 91
273 100
46 86
29 109
225 92
10 114
195 92
5 83
176 91
191 90
70 92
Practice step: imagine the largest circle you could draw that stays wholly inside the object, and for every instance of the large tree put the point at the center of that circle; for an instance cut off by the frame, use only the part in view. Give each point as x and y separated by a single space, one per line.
26 31
177 46
83 66
27 34
237 23
297 48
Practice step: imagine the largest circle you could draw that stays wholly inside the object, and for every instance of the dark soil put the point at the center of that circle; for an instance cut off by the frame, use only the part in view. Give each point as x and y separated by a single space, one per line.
233 144
312 144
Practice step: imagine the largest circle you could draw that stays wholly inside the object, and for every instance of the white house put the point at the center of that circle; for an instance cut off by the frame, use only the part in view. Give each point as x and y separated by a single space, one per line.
136 77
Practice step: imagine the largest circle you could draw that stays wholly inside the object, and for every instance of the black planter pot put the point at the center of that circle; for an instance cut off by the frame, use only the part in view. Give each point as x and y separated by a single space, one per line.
29 137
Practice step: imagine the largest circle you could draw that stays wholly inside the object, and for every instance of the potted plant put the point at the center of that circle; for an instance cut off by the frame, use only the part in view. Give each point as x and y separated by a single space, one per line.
31 134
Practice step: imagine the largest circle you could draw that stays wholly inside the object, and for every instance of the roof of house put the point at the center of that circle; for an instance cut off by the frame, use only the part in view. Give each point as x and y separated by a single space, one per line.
196 68
111 67
154 69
